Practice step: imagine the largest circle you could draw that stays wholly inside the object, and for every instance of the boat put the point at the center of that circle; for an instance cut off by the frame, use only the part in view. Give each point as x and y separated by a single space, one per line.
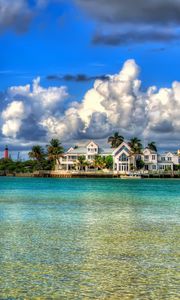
135 176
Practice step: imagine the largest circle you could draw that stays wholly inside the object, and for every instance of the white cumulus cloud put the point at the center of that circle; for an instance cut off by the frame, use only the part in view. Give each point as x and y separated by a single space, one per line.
13 116
11 127
23 117
117 104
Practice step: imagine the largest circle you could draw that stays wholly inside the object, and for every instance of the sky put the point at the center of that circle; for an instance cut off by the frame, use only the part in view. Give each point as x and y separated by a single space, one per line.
83 69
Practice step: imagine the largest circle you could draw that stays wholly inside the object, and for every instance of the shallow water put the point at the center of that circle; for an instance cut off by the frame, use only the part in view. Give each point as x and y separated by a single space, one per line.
89 239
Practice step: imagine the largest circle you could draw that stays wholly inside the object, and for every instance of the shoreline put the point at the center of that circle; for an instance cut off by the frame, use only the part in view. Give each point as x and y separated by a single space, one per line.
84 174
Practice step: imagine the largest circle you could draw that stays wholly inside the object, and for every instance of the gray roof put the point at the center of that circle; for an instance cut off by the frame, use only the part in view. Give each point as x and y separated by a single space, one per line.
106 151
166 153
83 150
79 150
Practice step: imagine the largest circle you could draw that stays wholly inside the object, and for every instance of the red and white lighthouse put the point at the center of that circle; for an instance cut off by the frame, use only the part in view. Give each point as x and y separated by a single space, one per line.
6 153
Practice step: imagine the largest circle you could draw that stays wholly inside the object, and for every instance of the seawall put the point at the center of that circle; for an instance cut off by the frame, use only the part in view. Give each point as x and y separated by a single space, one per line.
91 174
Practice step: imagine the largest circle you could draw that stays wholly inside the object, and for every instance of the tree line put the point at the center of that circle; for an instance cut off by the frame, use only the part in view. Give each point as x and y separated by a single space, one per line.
134 143
41 158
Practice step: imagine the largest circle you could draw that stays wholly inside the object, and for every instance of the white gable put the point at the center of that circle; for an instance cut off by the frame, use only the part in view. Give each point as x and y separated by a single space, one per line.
123 148
70 149
147 151
92 144
169 154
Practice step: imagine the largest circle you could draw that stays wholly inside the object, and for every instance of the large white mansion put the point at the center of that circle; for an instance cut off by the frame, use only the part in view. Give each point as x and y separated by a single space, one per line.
123 160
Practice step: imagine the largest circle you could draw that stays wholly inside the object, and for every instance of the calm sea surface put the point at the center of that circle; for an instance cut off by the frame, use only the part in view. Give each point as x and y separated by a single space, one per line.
89 239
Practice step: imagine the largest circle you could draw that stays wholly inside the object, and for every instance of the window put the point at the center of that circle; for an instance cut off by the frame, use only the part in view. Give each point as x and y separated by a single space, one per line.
153 157
123 157
163 158
146 157
169 158
154 167
92 150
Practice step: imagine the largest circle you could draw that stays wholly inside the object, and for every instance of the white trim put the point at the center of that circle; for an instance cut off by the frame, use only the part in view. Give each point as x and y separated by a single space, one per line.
120 146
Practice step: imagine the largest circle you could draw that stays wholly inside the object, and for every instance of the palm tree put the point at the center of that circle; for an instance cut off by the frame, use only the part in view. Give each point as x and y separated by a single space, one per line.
81 162
37 153
152 146
136 146
115 140
54 150
100 162
136 149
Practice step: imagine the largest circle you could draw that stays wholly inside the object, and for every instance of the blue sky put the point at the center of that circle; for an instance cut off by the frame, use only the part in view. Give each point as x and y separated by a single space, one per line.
54 39
59 41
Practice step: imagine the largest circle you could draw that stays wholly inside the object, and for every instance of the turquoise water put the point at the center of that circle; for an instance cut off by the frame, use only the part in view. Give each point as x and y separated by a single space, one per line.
89 239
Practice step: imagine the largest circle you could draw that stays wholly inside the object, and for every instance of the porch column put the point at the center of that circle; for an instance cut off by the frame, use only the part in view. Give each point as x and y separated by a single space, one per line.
118 166
67 163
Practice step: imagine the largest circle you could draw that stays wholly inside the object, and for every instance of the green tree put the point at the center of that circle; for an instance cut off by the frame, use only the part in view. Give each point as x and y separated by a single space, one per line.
136 149
28 166
37 153
54 150
6 166
135 145
109 162
115 140
152 146
100 162
81 162
139 164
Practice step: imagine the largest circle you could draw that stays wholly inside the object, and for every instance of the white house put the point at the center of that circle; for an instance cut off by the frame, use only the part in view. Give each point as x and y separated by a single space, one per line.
167 161
154 161
150 159
89 150
123 160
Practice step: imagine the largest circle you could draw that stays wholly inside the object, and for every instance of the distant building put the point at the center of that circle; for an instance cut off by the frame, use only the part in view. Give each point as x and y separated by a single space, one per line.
123 159
150 159
154 161
6 152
